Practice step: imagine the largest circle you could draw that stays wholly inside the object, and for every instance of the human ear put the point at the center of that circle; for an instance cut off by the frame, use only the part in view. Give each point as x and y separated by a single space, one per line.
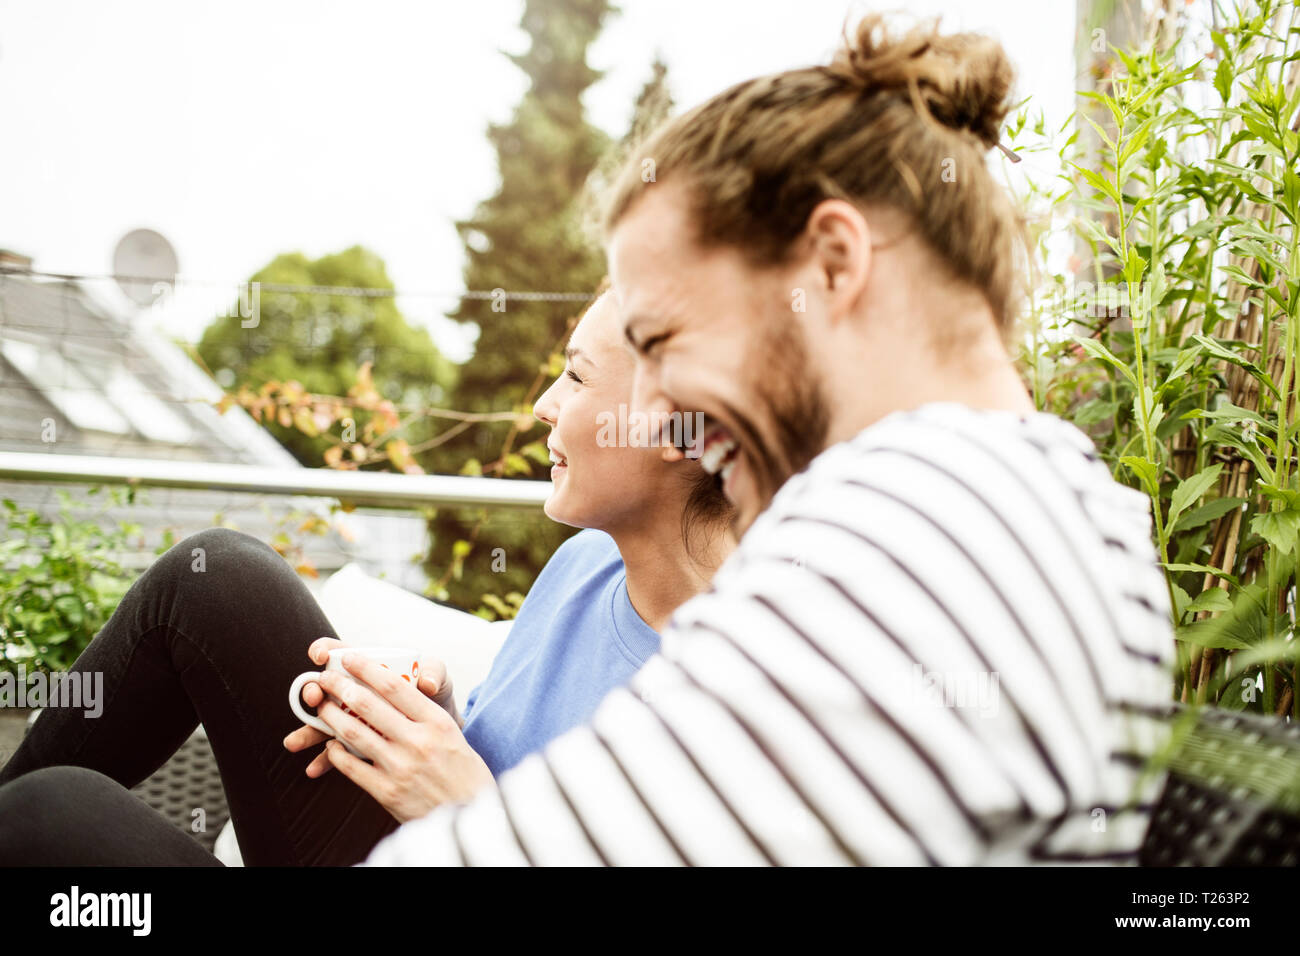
839 240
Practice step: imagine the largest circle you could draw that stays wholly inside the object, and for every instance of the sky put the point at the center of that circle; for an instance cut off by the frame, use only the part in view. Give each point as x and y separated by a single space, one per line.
242 130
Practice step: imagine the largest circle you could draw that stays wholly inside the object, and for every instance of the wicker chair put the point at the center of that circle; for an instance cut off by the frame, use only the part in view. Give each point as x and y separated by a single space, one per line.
187 783
1232 797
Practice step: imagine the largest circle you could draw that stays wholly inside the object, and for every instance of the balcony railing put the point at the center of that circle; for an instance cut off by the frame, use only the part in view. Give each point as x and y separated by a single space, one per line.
362 488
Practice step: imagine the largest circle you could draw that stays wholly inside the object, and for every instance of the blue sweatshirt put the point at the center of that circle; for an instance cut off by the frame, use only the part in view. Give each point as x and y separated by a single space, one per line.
575 639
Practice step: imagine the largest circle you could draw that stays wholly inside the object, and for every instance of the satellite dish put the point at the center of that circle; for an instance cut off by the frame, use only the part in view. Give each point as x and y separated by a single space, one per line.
145 266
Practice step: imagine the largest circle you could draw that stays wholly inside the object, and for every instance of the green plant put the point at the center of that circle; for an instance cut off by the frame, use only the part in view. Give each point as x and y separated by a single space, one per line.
60 580
1172 335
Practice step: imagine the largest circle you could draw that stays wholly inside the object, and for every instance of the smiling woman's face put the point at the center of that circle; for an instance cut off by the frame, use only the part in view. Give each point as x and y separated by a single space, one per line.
598 484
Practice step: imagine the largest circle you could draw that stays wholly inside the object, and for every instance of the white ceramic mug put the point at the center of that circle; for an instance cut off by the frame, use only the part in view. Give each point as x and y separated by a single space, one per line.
403 660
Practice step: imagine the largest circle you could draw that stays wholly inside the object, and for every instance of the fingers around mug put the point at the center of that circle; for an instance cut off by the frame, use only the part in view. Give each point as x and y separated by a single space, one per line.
319 649
392 687
430 686
312 694
366 704
433 669
351 730
311 720
369 778
302 738
321 764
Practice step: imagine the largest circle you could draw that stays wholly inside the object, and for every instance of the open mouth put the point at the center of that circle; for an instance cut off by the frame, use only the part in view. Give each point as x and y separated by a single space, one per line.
718 452
557 460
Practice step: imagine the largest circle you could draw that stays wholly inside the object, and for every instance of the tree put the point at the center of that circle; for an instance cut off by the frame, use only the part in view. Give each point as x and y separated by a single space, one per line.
527 237
322 341
653 105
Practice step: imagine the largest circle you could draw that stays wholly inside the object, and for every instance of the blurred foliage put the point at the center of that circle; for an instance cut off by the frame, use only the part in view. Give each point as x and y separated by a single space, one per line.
62 575
60 580
320 343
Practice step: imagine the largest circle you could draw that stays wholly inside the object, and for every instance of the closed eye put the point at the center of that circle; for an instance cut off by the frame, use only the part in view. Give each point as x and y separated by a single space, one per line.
573 375
652 341
644 346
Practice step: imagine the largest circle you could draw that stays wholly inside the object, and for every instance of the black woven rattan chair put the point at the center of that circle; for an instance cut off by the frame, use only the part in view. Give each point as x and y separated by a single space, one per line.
1232 797
187 783
187 790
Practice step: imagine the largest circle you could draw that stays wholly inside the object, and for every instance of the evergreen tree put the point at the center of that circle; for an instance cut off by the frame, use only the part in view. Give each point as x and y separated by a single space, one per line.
527 237
653 106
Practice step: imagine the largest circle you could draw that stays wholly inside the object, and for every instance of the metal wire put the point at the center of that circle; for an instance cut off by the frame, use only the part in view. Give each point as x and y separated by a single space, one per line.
355 291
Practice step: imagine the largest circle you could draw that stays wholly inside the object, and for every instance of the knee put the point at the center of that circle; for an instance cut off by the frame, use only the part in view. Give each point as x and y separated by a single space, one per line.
225 542
226 582
211 571
220 549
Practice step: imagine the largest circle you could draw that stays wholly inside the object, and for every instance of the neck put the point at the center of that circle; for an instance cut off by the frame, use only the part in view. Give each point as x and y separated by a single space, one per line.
910 373
661 575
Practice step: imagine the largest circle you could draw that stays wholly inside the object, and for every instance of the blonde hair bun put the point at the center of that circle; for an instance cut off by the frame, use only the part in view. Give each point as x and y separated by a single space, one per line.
962 80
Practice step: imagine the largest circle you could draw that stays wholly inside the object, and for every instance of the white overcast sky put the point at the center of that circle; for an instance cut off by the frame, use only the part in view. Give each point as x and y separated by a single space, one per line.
240 130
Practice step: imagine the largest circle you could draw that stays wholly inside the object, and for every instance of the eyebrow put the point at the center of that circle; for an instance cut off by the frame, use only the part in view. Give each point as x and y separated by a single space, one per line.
572 352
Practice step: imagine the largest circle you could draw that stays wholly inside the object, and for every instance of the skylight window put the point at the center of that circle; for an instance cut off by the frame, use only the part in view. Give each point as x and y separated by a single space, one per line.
97 398
66 387
150 416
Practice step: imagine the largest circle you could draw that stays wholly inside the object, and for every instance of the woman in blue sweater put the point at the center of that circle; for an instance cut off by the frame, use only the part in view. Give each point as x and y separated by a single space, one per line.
222 645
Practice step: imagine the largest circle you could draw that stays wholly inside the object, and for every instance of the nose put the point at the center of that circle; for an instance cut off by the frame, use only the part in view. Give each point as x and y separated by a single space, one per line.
545 408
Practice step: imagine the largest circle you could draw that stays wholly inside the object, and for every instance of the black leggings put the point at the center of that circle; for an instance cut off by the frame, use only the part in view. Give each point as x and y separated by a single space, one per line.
213 632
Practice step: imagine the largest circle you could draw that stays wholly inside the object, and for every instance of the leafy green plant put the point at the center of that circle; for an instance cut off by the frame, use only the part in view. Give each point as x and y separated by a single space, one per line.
60 580
1172 334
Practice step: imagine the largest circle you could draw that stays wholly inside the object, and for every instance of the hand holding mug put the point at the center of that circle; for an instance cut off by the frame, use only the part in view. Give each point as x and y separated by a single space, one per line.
421 758
402 661
434 683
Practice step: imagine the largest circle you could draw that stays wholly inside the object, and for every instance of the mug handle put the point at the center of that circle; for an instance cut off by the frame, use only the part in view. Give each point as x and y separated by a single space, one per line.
295 703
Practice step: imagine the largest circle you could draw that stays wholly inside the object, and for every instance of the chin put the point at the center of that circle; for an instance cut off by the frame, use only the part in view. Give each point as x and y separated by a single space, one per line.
562 515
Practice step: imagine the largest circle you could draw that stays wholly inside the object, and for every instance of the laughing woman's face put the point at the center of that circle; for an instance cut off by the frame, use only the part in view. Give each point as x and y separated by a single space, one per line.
597 483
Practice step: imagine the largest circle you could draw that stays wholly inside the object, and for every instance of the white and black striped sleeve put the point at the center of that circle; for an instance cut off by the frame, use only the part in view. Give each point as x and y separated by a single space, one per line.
924 652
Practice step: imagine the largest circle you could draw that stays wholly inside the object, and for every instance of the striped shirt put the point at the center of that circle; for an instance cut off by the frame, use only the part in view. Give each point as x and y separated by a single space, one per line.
938 645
